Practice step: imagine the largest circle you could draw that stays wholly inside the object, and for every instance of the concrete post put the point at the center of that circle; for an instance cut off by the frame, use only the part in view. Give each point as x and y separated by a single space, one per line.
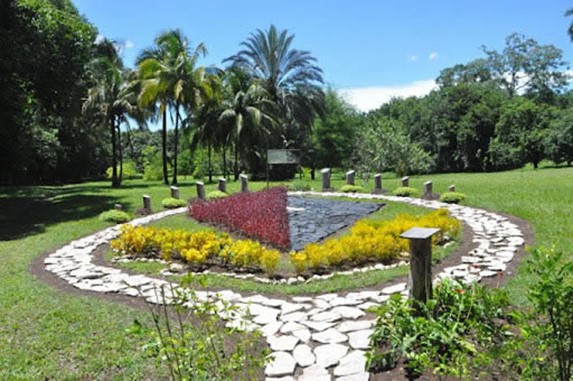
244 182
118 207
222 184
452 188
325 179
350 177
200 190
147 202
405 181
428 189
420 262
377 183
175 192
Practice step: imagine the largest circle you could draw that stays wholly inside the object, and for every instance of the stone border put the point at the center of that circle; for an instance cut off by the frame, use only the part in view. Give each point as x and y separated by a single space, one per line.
312 338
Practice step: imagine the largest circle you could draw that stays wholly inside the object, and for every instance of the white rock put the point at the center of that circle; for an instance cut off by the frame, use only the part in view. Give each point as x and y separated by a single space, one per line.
355 377
303 355
317 326
344 302
330 336
303 334
394 289
352 363
326 317
287 308
329 354
283 364
295 316
350 326
314 373
285 378
271 328
348 312
360 339
291 326
282 343
367 305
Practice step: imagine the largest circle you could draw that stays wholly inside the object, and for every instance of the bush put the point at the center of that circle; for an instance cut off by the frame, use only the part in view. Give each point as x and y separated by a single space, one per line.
299 186
406 192
351 189
453 334
115 216
173 203
129 171
216 194
452 197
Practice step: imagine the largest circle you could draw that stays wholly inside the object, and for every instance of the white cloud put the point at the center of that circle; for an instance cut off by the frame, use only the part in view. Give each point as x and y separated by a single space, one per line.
433 56
412 58
128 44
99 38
370 98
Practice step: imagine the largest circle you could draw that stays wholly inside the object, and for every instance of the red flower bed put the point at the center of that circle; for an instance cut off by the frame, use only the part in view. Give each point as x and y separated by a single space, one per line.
261 215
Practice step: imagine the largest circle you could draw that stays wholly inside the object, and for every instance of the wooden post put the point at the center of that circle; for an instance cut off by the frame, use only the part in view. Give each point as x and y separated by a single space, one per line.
174 192
405 181
350 177
147 202
222 185
377 183
244 182
200 190
325 179
420 262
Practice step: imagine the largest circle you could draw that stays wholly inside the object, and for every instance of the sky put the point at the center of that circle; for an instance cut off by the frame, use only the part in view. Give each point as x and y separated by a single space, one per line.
369 50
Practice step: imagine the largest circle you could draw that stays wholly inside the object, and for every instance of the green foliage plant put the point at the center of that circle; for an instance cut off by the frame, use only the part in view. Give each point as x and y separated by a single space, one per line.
453 334
452 197
299 186
351 189
195 344
173 203
216 194
406 192
115 216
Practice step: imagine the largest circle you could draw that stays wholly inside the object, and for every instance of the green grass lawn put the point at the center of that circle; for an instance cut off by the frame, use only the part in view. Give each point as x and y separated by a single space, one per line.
46 334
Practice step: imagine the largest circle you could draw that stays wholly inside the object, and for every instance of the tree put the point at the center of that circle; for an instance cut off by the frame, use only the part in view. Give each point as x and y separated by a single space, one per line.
559 138
170 77
110 99
291 79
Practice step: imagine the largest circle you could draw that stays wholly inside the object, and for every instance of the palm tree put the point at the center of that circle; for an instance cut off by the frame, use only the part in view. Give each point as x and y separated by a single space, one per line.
290 76
170 78
245 112
568 13
109 100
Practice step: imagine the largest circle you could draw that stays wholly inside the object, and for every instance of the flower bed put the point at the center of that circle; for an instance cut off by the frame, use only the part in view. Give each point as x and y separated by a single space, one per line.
260 215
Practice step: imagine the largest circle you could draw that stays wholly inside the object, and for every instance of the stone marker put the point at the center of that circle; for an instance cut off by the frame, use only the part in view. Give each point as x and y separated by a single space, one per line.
222 184
350 177
146 202
200 190
420 262
244 182
452 188
175 192
325 179
428 189
118 207
377 183
405 181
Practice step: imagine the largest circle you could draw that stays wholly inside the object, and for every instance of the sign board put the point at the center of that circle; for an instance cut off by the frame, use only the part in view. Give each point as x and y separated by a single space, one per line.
283 156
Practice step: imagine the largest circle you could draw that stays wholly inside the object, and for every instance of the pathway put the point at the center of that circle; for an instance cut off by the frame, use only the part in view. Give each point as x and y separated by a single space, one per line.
312 338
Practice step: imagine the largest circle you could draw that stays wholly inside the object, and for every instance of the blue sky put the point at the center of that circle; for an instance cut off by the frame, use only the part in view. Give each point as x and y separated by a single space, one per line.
370 50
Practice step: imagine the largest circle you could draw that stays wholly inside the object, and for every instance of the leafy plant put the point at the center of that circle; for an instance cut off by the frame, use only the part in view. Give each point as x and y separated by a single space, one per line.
299 186
115 216
216 194
191 339
406 192
451 335
452 197
351 188
173 203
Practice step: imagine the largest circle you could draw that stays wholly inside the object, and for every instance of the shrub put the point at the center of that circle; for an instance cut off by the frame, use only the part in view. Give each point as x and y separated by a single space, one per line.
452 197
351 189
261 215
453 334
129 171
406 192
216 194
115 216
173 203
299 186
194 344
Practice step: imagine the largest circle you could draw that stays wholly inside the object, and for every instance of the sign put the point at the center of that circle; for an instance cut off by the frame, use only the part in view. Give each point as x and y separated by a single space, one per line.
283 156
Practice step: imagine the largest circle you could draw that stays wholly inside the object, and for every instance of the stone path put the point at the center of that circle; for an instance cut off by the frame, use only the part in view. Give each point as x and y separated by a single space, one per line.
312 338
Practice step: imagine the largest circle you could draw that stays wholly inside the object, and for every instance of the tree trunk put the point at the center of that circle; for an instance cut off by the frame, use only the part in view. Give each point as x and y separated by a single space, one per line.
176 148
164 146
209 165
535 164
237 159
120 151
225 160
114 182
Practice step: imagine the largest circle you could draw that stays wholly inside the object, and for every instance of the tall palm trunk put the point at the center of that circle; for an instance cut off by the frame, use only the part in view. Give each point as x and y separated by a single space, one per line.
225 160
209 165
237 158
114 181
164 146
176 148
120 152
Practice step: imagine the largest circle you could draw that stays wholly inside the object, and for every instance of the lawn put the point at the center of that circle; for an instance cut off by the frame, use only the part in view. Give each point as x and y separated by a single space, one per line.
45 334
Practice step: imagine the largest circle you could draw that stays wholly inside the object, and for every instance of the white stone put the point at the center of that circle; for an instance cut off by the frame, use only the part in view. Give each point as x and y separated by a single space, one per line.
287 308
355 377
399 287
348 312
303 355
295 316
326 317
271 328
352 363
329 354
367 305
350 326
282 364
301 299
303 334
282 343
360 339
344 302
285 378
291 326
317 326
314 373
330 336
